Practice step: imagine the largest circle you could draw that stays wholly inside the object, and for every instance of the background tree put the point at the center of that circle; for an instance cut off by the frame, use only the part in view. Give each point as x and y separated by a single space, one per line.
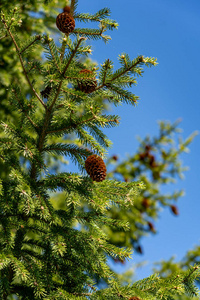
30 118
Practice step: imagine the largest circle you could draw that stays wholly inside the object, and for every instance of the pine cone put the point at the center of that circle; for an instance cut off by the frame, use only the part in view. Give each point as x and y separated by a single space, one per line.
46 92
65 22
134 298
95 167
115 157
66 9
151 227
174 209
146 202
87 85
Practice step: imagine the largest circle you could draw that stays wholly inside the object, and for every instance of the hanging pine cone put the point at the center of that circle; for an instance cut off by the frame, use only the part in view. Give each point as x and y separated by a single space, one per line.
46 92
146 203
95 167
66 9
87 85
65 22
174 209
134 298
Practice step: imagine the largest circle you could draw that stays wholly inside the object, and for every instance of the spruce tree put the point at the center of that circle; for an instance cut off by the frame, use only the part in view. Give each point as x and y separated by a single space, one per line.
51 252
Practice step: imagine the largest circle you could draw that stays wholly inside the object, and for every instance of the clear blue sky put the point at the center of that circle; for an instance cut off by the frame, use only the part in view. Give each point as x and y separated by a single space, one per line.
170 31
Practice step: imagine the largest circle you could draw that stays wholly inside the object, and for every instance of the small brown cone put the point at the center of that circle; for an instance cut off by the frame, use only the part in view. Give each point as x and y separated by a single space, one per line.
151 227
115 157
139 249
142 156
46 92
95 167
134 298
146 203
65 22
174 210
87 85
66 9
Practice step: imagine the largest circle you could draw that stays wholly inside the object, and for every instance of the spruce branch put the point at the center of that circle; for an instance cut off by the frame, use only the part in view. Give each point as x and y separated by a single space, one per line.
49 110
52 48
139 60
97 17
64 43
64 71
22 63
71 126
38 37
92 33
73 6
24 111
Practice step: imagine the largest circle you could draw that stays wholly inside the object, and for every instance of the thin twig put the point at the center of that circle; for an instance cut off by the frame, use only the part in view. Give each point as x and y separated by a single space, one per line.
63 47
22 64
73 126
78 30
104 84
82 294
3 36
38 37
52 54
140 59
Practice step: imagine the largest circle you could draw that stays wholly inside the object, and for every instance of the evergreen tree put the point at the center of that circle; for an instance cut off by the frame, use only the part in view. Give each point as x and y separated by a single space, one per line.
50 252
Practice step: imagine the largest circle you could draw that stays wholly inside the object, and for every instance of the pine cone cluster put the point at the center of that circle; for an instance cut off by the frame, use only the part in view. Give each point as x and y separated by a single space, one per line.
87 85
95 167
65 22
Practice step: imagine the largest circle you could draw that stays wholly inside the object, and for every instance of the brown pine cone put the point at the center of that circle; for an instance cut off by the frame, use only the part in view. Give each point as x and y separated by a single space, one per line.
65 22
174 209
115 157
46 92
87 85
134 298
95 167
66 9
151 227
146 203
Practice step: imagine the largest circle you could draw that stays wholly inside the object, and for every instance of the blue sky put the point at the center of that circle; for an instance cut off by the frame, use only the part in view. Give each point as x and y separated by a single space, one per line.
170 31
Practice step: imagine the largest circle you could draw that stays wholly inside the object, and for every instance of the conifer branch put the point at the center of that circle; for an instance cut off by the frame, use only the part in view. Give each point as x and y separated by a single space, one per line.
64 71
73 6
106 68
3 36
140 59
22 63
53 56
38 37
34 125
62 52
73 126
73 53
92 33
